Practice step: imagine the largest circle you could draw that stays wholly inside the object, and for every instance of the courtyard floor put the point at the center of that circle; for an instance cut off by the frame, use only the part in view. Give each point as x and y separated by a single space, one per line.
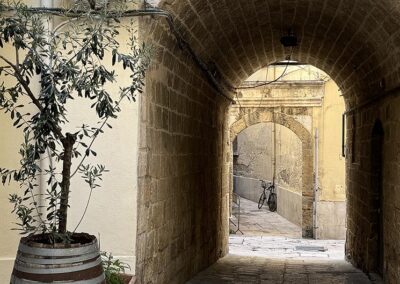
270 250
262 222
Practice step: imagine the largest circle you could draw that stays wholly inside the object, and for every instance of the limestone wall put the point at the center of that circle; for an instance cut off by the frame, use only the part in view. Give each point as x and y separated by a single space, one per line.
249 188
363 191
253 156
290 205
331 216
354 41
183 166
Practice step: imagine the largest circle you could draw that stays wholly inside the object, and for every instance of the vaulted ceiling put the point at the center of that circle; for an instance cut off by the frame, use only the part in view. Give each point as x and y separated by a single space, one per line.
355 41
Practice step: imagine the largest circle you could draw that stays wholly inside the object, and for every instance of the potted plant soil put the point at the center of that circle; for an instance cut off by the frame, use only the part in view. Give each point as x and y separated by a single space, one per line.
77 59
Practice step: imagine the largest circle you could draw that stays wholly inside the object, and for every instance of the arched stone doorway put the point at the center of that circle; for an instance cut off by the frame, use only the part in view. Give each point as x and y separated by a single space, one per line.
184 137
307 156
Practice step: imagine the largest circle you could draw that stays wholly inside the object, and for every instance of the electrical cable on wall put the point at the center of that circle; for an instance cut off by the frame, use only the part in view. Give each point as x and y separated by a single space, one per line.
221 87
288 58
262 84
265 89
147 11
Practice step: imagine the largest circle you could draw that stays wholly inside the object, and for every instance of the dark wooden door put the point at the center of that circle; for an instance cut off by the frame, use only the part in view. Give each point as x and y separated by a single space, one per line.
377 192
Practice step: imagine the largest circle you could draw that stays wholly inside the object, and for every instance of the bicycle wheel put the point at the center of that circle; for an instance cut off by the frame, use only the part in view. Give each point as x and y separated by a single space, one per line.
262 199
272 202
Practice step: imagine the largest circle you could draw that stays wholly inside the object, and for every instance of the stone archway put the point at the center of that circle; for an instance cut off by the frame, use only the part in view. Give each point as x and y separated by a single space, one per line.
183 146
307 156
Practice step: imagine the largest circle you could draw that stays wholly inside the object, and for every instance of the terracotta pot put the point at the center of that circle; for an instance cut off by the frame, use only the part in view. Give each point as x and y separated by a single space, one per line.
128 279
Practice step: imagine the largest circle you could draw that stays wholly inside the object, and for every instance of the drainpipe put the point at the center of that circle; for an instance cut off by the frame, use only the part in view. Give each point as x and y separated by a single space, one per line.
315 202
344 135
274 130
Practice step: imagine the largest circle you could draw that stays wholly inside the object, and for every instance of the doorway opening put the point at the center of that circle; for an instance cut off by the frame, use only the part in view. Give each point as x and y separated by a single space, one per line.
271 153
289 131
377 196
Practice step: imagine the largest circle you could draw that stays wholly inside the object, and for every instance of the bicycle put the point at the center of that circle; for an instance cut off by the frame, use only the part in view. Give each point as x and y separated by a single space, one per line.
272 197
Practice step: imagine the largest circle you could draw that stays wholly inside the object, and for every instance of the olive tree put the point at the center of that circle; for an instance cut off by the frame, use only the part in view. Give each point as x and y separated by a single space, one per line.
77 61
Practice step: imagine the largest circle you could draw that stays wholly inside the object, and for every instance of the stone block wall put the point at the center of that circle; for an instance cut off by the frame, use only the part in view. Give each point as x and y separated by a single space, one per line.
363 231
183 166
356 44
249 188
254 155
290 205
331 220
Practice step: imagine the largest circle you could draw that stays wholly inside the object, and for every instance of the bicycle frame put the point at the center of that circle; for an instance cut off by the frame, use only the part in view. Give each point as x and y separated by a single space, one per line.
271 200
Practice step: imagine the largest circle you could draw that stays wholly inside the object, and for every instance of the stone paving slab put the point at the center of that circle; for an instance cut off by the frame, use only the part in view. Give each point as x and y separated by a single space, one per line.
241 269
269 251
262 222
278 247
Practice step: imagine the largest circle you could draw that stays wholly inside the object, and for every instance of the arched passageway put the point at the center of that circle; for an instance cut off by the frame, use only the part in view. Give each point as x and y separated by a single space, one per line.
307 156
184 139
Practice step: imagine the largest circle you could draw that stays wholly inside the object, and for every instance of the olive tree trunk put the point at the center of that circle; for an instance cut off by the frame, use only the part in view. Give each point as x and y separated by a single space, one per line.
68 144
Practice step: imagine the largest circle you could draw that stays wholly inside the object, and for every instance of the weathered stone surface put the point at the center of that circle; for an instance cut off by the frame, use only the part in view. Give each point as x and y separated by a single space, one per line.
355 42
182 226
363 189
234 269
307 158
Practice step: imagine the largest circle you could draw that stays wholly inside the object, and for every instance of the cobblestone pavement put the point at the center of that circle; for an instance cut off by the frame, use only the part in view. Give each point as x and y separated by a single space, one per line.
262 222
250 269
271 250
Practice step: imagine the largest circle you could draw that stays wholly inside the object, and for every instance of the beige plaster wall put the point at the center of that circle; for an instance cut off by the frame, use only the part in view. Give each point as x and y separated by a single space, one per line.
9 145
112 213
332 164
10 141
331 207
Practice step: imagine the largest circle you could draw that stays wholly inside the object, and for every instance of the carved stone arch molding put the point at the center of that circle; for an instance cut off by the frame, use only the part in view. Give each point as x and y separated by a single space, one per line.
307 156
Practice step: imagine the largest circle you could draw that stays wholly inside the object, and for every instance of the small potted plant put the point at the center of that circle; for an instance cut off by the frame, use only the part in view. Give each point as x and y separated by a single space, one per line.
78 60
114 270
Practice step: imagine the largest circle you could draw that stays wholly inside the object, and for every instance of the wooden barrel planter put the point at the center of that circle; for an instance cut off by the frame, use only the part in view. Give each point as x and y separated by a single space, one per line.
75 263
